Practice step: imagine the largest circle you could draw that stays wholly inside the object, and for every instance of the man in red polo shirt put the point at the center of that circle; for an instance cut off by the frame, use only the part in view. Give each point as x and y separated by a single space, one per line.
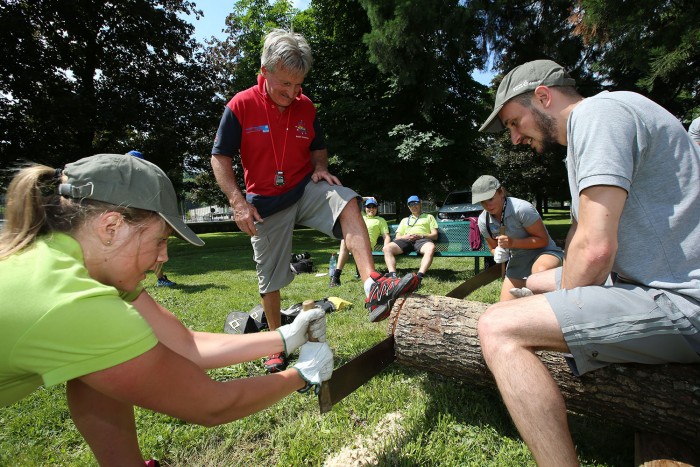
272 127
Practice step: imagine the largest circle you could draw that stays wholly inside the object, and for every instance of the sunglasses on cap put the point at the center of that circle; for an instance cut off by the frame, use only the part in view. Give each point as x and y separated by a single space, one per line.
413 203
371 206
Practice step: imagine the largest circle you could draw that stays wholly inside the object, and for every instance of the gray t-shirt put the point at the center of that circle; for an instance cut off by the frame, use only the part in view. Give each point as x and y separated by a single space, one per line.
624 139
519 215
694 130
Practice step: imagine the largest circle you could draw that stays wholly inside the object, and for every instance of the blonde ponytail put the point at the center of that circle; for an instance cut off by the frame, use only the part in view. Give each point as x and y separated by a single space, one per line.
25 210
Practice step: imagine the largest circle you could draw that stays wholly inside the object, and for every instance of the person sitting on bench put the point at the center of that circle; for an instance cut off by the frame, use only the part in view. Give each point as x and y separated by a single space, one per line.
417 232
376 226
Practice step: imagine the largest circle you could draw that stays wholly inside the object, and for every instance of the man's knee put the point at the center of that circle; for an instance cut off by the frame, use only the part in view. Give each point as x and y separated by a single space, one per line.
488 328
495 329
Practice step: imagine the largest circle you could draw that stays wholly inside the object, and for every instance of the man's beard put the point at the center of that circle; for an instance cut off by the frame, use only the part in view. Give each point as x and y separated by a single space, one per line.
547 127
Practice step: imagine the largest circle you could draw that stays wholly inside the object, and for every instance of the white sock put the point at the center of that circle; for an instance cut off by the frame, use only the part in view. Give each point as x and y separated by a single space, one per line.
368 285
520 293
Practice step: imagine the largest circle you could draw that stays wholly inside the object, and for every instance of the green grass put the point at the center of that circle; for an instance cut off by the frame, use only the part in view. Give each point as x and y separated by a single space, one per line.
558 222
436 421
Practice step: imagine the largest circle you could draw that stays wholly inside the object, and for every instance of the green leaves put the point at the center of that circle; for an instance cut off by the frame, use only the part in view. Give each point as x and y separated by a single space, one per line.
88 76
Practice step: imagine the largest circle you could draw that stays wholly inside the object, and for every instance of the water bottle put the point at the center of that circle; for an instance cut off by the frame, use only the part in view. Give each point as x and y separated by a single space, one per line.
331 265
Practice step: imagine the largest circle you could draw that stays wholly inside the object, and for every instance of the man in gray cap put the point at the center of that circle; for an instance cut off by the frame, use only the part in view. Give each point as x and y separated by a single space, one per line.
635 205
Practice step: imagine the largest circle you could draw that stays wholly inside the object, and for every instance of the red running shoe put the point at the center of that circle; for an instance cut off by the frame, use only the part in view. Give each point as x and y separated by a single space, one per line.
385 291
276 362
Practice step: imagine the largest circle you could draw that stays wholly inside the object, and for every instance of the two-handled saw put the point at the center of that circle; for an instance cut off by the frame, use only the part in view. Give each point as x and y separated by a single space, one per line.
359 370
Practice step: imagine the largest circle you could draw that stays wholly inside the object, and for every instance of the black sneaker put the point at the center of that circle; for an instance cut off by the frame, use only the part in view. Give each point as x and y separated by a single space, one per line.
385 291
276 362
335 281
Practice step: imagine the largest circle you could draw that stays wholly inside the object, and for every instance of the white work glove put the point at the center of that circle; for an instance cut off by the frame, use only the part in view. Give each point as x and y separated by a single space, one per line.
315 365
307 324
501 255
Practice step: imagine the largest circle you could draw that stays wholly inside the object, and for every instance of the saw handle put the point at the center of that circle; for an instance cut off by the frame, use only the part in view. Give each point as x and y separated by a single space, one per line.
305 306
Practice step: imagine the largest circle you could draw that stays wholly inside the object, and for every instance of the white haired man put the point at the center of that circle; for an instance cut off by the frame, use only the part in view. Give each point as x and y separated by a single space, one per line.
273 131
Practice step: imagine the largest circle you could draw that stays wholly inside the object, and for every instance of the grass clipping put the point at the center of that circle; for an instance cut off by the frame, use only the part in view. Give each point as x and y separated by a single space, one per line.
363 451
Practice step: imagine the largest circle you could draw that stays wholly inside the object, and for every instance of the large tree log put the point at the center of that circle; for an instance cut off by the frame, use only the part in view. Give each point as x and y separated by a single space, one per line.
438 334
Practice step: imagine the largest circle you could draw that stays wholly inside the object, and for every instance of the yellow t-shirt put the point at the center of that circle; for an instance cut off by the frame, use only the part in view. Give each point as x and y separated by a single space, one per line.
421 225
376 227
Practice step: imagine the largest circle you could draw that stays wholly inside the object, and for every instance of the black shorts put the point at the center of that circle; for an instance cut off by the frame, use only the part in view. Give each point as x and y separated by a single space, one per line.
408 247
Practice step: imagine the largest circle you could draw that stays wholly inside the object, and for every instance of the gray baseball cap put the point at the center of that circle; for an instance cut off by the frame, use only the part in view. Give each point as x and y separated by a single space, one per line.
484 188
522 79
124 180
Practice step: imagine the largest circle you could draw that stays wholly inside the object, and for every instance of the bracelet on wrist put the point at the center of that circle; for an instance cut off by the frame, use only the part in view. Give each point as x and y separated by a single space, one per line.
306 388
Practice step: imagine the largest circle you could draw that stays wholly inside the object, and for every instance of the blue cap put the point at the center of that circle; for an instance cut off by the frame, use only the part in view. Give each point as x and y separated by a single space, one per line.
369 201
135 153
412 199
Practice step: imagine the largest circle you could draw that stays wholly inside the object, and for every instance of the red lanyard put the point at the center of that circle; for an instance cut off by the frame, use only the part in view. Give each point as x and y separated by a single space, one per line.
279 163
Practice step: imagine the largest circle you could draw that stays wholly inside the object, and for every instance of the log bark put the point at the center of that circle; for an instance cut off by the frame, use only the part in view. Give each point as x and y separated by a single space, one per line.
439 334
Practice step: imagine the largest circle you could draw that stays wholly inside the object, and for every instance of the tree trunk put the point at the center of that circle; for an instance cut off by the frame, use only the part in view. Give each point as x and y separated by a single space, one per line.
438 334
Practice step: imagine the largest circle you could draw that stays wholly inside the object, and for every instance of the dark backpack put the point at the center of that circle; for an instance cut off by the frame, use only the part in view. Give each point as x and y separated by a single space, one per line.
302 266
238 322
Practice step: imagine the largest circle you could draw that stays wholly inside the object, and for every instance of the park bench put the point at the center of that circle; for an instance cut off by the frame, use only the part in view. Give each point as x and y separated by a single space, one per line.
453 241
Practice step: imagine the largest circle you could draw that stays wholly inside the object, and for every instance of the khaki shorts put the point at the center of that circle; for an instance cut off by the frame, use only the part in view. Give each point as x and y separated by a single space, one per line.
319 208
621 323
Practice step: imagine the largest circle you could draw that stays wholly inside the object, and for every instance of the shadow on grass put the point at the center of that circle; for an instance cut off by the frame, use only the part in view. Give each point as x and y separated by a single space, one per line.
473 417
449 275
476 409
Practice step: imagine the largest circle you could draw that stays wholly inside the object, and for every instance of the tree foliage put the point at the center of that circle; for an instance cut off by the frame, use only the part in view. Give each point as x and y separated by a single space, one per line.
648 46
515 32
411 120
86 76
402 102
391 80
